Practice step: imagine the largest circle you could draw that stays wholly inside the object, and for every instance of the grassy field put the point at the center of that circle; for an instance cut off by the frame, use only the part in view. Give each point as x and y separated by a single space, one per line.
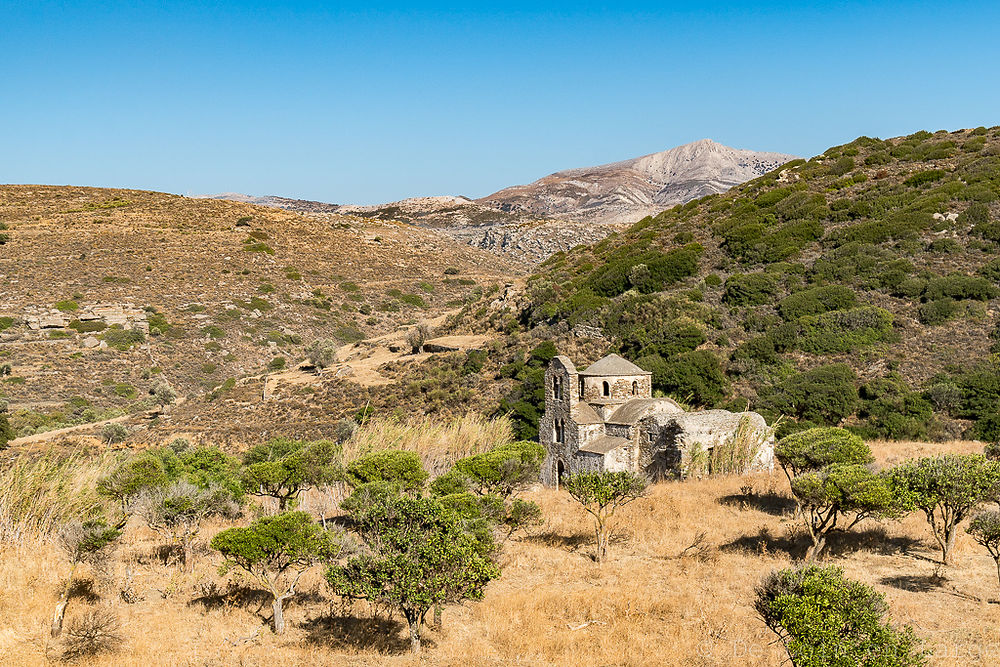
677 590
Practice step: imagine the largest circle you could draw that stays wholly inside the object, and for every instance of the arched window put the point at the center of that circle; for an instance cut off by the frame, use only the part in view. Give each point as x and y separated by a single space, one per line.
559 430
635 388
557 388
606 388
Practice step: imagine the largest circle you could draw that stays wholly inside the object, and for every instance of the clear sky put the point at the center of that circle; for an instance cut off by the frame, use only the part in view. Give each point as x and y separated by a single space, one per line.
363 104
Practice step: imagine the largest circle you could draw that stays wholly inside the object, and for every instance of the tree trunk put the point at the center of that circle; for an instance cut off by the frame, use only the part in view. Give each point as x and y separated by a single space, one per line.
437 616
414 634
57 618
816 549
601 546
948 544
997 560
279 616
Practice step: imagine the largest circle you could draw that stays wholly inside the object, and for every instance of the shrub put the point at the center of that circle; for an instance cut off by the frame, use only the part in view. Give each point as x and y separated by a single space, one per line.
67 306
945 488
938 311
95 632
819 447
602 494
815 301
416 337
844 330
90 326
418 555
985 530
178 510
924 177
392 466
503 470
122 339
275 551
749 289
283 468
839 491
695 377
824 619
114 433
823 395
322 353
83 542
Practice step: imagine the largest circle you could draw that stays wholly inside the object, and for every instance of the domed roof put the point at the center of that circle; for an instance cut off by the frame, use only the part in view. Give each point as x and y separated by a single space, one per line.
613 365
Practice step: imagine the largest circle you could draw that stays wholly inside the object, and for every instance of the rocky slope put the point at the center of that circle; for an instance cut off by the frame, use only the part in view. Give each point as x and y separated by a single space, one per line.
629 190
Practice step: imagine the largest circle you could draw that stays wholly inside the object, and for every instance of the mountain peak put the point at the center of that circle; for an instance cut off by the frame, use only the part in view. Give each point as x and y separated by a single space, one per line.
631 189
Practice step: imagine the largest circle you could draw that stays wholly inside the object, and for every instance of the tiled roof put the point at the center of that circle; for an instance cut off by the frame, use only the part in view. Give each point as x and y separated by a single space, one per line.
613 365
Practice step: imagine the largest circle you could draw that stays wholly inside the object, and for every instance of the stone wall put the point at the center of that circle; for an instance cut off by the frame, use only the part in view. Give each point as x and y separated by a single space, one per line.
620 388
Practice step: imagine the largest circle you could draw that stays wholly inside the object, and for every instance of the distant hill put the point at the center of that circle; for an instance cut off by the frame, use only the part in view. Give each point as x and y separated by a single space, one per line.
530 222
105 293
860 287
628 190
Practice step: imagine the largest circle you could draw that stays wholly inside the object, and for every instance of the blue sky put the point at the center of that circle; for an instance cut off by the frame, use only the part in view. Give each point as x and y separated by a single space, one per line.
349 103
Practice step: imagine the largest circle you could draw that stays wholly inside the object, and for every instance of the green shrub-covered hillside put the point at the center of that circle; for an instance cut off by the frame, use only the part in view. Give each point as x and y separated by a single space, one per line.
858 288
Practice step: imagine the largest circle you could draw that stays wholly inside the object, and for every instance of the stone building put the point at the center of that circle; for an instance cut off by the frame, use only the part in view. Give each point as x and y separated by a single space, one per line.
605 418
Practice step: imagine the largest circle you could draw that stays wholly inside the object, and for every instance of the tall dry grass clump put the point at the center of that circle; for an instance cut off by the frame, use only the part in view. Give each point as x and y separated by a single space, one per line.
439 442
40 494
742 450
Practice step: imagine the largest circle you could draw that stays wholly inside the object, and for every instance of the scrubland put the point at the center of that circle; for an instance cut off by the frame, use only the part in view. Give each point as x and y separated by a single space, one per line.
677 589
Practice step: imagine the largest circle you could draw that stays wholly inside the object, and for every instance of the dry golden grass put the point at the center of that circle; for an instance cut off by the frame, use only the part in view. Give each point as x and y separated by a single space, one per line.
677 590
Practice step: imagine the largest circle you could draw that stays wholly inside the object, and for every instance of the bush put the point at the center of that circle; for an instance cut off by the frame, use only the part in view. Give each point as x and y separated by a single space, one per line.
893 411
844 330
819 447
322 353
924 177
114 433
945 488
816 301
937 312
823 395
122 339
96 632
749 289
694 377
282 468
985 530
825 619
503 470
601 494
958 286
393 466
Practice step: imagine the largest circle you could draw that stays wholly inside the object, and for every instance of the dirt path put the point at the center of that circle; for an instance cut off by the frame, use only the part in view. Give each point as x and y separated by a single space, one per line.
59 432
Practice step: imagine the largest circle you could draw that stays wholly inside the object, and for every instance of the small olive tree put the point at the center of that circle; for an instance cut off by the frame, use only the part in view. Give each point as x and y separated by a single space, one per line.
131 477
419 554
601 494
946 489
322 353
824 619
276 551
83 542
840 492
179 509
985 530
283 468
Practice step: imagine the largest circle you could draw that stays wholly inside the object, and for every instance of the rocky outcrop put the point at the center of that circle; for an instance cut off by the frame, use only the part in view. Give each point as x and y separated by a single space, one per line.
533 242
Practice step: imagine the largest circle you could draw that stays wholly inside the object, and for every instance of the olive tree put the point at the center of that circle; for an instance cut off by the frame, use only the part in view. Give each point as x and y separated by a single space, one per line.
179 509
838 492
131 477
83 542
985 530
418 554
276 551
946 489
601 494
283 468
826 620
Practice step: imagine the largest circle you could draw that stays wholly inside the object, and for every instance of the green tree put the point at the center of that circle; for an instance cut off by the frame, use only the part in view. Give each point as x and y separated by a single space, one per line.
418 555
396 466
826 620
276 551
823 395
283 468
178 510
83 542
6 431
602 494
946 488
985 530
132 476
819 447
839 491
503 470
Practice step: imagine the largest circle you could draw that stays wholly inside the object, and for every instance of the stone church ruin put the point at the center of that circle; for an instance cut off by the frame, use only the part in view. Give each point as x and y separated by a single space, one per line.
605 418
